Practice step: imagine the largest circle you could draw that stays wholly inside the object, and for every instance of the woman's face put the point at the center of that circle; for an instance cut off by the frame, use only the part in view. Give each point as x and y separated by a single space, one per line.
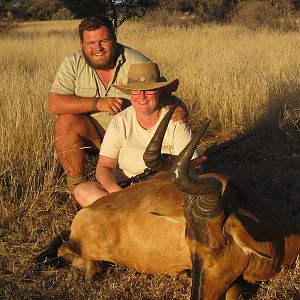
145 102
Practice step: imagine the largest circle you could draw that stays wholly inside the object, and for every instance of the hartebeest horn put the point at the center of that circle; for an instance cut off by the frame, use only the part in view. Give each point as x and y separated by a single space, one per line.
204 192
152 156
182 163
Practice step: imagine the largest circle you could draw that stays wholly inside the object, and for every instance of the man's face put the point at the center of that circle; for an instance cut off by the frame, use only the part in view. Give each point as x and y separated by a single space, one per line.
99 48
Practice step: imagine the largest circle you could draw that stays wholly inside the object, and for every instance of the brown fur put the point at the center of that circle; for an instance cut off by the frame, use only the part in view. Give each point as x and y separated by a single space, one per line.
120 228
246 239
252 238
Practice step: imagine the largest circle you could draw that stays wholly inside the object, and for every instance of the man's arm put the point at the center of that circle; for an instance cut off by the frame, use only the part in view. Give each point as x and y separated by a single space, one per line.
70 104
180 113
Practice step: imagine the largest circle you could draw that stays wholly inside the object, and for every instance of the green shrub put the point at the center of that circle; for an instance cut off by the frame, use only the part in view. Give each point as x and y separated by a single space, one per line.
164 17
63 14
7 25
262 13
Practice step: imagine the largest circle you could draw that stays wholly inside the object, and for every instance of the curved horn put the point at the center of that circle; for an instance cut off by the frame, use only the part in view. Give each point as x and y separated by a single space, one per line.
206 191
182 164
152 156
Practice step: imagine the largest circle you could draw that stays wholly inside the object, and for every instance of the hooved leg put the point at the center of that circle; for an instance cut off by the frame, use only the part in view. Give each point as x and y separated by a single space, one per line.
92 267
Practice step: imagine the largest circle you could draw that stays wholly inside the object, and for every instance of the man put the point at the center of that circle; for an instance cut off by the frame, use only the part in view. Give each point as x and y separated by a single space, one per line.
82 95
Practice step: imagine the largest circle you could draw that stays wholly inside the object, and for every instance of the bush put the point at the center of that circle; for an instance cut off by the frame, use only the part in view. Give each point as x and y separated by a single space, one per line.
272 14
214 10
63 14
7 25
164 17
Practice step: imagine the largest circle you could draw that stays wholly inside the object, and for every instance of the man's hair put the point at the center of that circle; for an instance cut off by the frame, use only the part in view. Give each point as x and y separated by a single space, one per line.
96 22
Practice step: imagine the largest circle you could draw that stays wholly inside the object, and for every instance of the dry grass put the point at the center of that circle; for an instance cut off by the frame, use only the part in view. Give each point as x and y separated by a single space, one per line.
240 79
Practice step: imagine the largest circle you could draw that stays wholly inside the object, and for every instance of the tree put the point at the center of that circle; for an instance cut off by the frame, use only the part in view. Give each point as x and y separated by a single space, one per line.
212 10
14 8
44 9
3 8
206 10
63 14
296 4
265 13
118 10
84 8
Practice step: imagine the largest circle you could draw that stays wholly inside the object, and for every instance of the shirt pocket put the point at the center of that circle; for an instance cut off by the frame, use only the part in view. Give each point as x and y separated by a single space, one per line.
85 91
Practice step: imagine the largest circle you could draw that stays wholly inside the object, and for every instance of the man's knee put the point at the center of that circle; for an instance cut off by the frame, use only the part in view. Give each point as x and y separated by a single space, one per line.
67 123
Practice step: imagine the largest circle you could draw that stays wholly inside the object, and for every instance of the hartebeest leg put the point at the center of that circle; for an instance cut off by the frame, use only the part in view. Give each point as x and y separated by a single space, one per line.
92 268
197 276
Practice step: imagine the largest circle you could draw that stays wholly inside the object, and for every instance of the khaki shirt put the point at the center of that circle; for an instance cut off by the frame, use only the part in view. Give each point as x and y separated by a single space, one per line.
76 77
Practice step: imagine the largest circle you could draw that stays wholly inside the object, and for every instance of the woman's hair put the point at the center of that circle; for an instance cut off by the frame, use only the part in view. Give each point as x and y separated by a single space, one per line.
93 23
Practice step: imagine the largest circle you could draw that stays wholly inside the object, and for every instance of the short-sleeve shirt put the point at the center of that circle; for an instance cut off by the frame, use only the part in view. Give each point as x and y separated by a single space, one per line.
76 77
126 140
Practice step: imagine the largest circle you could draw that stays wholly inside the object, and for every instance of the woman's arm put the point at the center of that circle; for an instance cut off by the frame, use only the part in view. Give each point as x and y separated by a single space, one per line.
105 173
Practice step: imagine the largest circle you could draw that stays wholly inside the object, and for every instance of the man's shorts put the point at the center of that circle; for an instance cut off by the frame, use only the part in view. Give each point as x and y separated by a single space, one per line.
102 118
100 121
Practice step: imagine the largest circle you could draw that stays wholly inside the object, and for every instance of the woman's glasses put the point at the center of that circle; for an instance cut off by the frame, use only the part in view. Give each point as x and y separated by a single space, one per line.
138 92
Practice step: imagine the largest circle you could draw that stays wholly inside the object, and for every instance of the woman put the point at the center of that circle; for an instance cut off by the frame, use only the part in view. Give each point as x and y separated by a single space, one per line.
130 131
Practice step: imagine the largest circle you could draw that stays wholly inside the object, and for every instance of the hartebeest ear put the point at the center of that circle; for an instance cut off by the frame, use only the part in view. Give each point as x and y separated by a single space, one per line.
248 244
174 215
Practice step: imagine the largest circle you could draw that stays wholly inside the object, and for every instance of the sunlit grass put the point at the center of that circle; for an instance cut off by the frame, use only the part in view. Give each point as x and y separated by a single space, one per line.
238 78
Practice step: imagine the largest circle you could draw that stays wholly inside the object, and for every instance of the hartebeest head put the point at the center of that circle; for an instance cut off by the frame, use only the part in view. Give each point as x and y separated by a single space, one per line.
207 189
203 193
230 229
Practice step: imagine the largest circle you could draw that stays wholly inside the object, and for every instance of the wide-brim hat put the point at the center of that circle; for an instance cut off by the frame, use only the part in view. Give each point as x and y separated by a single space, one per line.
146 76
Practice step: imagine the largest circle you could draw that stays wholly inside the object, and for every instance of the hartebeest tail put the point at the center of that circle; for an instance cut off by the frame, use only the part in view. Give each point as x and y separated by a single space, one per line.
49 256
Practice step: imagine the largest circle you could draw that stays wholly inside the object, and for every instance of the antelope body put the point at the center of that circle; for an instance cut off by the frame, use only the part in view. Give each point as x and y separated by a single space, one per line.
212 224
120 229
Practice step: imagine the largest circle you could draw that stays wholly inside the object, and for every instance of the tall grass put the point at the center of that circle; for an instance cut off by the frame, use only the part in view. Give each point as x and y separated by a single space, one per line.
240 79
235 76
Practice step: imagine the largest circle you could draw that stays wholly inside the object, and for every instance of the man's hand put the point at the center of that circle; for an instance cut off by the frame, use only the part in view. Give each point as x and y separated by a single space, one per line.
179 114
111 105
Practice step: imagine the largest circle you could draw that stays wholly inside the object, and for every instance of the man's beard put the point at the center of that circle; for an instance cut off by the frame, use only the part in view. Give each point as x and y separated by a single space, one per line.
103 64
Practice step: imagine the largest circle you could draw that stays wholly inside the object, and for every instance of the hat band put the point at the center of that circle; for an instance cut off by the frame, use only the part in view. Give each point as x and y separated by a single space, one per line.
143 78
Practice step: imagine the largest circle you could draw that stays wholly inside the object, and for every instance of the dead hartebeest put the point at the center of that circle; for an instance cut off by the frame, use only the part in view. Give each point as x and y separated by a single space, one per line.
231 230
222 229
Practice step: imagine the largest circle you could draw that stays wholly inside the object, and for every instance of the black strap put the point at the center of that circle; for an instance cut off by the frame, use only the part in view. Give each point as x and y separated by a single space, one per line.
139 177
